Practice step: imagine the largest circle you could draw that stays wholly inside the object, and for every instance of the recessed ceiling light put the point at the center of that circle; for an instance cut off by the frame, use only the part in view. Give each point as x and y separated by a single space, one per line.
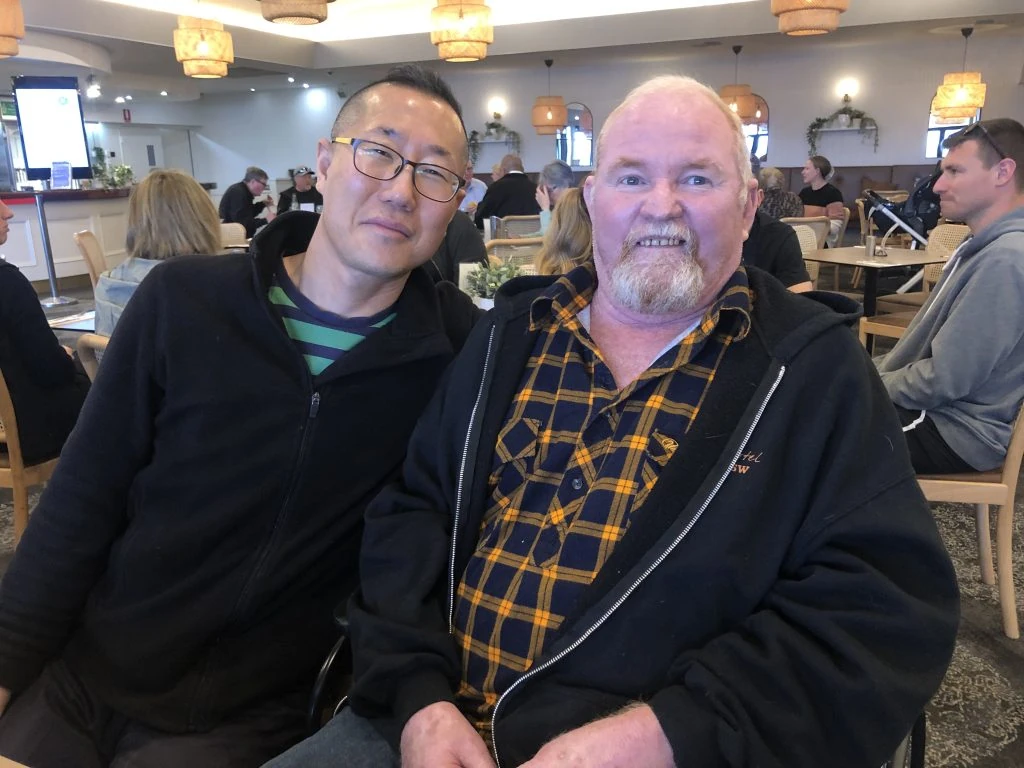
128 97
253 90
291 79
163 93
305 85
119 100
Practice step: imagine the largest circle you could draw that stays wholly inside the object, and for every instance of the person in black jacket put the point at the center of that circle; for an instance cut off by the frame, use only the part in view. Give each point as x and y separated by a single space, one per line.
46 386
462 244
237 204
301 193
511 195
618 539
172 597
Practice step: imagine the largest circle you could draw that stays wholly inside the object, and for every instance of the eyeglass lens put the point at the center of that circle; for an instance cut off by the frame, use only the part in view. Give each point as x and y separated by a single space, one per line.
380 162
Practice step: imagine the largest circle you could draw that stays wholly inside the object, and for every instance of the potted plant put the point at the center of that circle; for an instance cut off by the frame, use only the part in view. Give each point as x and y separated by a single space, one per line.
474 146
122 176
484 282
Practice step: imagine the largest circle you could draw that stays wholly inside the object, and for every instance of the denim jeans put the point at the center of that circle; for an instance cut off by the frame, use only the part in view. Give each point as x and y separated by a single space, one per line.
347 740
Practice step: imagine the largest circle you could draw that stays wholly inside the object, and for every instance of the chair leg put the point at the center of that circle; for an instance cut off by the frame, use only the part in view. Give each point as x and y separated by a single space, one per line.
988 573
862 334
857 272
20 511
1004 567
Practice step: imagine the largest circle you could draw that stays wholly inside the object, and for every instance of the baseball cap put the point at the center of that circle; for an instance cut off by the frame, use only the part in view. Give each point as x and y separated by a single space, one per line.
302 170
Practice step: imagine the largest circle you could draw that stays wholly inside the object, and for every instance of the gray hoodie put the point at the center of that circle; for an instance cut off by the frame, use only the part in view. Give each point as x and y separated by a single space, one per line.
961 360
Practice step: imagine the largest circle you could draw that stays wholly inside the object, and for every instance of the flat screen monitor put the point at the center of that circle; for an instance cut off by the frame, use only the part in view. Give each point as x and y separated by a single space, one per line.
52 128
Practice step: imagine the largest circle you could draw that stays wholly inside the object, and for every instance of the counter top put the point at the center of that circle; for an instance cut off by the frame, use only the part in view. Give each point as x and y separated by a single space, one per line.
63 195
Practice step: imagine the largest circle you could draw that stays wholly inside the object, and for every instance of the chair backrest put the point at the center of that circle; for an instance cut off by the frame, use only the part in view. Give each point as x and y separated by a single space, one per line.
942 241
867 226
232 233
9 426
819 224
518 251
520 226
838 239
91 347
808 244
92 253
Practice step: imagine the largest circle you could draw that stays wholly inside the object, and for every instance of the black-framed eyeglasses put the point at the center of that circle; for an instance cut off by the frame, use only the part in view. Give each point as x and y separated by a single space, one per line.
975 128
380 162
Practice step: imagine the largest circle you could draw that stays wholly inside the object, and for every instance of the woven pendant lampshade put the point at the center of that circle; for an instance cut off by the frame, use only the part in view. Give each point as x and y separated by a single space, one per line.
462 30
203 47
549 113
295 11
952 115
960 92
739 96
808 17
12 27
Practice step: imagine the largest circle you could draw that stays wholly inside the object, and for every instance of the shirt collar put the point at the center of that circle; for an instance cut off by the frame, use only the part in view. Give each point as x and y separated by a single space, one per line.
564 298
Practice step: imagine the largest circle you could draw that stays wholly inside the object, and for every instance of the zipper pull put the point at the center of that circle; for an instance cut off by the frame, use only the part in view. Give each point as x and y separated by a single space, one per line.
314 405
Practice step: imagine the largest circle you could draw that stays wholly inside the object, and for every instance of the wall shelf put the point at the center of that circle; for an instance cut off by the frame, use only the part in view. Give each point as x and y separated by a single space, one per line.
847 130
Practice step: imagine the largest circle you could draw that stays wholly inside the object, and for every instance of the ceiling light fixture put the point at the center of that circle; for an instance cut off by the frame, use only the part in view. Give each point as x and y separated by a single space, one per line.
295 11
461 30
163 93
808 17
739 97
549 112
119 99
291 79
92 88
203 47
12 27
962 93
305 85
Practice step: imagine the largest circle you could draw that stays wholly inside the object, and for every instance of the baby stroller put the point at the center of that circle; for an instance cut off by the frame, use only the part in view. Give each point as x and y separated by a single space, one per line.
916 216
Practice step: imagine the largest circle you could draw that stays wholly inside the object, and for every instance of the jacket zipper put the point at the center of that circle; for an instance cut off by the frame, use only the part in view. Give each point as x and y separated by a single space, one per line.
650 569
462 476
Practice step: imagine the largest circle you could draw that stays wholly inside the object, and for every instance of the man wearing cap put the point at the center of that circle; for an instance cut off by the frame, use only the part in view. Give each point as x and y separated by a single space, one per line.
301 195
237 205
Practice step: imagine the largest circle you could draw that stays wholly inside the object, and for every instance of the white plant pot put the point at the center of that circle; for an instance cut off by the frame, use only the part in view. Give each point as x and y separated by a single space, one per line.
843 120
484 304
855 123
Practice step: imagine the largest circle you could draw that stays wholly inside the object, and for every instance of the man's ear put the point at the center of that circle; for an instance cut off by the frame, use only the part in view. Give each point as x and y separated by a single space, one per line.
324 155
1006 170
588 192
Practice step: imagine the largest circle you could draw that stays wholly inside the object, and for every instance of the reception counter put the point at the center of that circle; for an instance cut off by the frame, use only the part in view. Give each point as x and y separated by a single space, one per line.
104 211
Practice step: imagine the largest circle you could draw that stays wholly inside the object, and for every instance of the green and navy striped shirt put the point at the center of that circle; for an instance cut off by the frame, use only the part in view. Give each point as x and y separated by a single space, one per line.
322 337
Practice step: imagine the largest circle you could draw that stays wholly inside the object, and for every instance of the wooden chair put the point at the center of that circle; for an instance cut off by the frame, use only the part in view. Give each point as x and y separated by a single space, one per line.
14 473
232 235
808 239
518 251
819 224
90 348
92 254
519 226
942 241
892 325
997 487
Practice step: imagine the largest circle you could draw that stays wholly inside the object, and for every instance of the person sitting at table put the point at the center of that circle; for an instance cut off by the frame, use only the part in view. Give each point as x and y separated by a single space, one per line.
567 243
169 215
956 376
511 195
819 197
462 244
237 205
773 246
778 202
301 192
475 191
556 178
47 386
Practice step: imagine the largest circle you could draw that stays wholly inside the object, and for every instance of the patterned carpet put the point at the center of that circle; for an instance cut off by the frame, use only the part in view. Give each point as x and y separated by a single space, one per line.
977 718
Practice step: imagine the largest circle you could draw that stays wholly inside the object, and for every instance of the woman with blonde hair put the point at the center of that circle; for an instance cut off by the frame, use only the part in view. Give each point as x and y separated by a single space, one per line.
169 215
568 240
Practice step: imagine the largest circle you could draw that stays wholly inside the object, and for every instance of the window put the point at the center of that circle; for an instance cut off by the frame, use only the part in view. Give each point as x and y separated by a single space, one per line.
756 130
939 129
574 144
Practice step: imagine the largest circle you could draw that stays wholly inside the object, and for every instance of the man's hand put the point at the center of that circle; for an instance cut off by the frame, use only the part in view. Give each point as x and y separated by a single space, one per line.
5 699
543 198
438 736
632 737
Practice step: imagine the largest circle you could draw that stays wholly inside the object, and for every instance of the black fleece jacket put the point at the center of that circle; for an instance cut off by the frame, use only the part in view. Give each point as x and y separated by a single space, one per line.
206 514
782 599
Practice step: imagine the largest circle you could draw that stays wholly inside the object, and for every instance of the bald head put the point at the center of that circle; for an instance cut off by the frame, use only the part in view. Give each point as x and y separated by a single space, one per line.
511 163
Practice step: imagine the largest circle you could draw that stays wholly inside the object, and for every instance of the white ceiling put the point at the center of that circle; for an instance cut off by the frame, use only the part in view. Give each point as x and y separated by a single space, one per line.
130 47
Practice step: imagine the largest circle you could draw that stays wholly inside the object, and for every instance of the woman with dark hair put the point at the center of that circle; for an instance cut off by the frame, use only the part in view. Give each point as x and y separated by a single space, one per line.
46 386
819 197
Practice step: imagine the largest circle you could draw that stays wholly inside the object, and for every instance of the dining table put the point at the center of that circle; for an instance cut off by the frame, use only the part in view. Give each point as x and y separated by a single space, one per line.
873 266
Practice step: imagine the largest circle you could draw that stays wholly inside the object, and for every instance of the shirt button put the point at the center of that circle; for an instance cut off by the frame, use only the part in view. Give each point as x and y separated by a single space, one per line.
577 483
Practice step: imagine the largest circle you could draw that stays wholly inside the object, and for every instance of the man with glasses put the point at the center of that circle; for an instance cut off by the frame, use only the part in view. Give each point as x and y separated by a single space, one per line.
239 206
957 374
172 597
618 539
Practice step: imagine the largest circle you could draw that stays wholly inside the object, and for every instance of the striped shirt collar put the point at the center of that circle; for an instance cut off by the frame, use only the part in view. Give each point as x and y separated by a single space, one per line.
564 298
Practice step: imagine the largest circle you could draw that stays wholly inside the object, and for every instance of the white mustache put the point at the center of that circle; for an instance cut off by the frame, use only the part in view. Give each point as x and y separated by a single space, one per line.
664 234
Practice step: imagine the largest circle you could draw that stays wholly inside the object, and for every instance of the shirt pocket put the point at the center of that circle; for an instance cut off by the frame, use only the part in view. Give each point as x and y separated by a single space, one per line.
660 450
514 455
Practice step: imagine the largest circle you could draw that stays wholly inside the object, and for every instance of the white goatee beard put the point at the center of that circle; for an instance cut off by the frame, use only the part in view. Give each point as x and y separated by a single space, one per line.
670 284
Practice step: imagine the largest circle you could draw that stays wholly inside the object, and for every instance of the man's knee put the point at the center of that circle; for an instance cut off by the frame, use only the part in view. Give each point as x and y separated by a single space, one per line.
347 740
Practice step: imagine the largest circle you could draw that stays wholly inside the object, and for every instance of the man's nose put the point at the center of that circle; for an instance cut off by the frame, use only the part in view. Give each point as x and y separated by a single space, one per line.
663 200
401 189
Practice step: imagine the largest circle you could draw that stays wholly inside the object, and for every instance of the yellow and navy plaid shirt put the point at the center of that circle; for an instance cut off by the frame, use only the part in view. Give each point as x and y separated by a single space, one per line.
575 460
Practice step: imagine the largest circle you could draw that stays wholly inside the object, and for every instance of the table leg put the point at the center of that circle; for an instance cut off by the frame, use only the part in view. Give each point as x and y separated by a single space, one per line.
55 300
870 292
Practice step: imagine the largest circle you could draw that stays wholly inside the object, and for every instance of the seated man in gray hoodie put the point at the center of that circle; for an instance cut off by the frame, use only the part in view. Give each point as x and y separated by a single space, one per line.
957 375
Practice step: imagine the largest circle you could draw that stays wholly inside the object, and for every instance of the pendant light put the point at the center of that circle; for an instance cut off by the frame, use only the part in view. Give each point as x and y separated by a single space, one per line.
549 112
12 27
203 47
461 30
295 11
738 96
808 17
961 93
